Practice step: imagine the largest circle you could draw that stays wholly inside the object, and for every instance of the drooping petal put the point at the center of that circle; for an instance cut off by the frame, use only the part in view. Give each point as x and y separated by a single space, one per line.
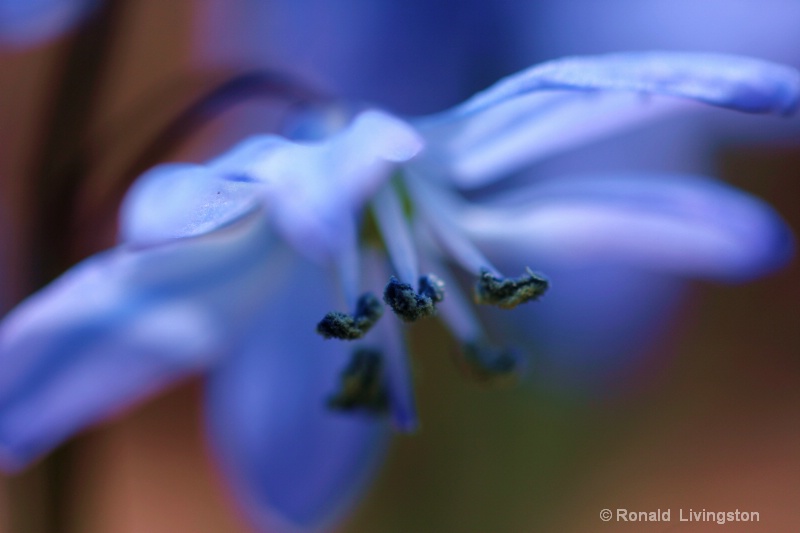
26 22
120 326
294 463
680 224
560 104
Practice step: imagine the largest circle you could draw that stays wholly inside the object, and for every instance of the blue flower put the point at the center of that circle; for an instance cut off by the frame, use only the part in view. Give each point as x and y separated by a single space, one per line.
228 267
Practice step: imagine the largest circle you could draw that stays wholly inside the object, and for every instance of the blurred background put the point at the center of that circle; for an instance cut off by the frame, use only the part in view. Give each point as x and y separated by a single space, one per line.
701 413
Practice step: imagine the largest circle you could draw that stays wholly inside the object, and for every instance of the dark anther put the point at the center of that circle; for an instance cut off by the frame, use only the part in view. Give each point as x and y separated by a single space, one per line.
361 385
411 305
489 365
431 287
337 325
368 309
509 292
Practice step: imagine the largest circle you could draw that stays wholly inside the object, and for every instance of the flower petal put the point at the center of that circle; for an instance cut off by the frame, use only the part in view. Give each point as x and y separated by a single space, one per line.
182 200
681 224
295 464
315 186
310 189
120 326
560 104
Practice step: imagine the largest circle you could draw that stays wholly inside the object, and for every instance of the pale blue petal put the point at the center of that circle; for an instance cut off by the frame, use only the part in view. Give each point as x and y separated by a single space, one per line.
294 463
315 187
730 81
27 22
309 190
560 104
183 200
680 224
120 326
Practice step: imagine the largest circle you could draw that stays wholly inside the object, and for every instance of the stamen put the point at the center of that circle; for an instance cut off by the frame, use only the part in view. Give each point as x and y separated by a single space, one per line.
361 384
410 305
348 264
477 359
338 325
508 293
457 311
394 229
431 287
439 208
399 380
489 365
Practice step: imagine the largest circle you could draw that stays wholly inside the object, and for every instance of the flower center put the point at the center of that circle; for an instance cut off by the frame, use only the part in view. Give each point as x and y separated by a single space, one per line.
337 325
410 227
410 306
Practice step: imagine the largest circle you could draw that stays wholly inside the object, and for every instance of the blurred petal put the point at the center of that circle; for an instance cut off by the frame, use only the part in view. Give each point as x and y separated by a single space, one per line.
309 189
680 224
564 103
26 22
182 200
314 186
294 463
120 326
723 80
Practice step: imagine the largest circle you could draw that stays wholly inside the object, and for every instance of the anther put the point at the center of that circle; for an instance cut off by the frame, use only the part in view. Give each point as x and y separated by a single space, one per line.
509 292
361 384
431 287
490 365
337 325
412 305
